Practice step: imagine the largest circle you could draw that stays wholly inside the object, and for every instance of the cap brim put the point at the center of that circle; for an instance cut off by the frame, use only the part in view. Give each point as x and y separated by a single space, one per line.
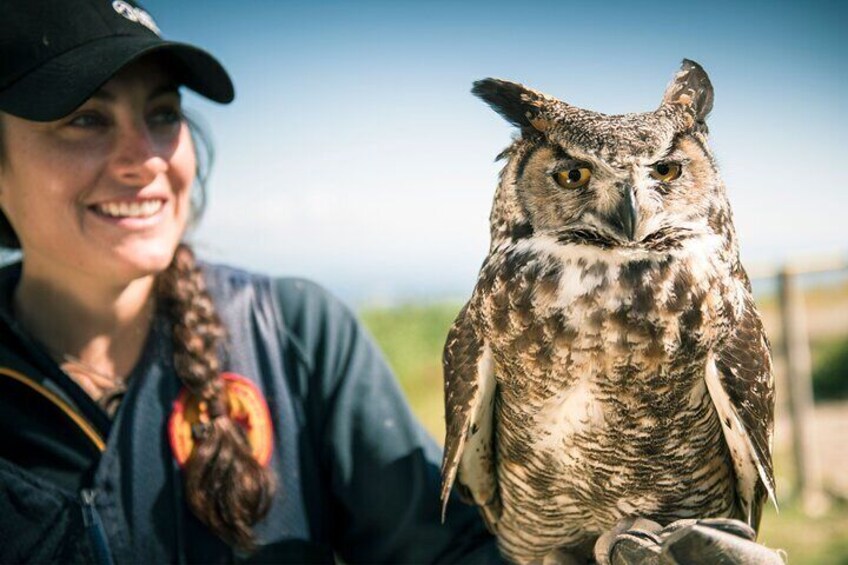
55 89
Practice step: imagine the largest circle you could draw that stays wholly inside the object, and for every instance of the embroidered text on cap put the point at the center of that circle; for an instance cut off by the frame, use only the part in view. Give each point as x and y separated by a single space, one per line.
136 15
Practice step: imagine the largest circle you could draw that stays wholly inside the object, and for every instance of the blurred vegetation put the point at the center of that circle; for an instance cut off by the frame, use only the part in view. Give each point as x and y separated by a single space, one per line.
830 368
412 337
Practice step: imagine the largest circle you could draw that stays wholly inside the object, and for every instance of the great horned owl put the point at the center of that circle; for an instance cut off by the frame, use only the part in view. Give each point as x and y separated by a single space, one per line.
610 361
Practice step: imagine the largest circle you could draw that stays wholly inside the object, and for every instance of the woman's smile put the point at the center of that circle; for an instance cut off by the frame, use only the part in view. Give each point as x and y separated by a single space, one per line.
136 213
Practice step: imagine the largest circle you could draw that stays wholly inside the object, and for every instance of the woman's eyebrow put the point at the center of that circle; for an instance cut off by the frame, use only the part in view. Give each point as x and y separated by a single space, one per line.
103 94
168 88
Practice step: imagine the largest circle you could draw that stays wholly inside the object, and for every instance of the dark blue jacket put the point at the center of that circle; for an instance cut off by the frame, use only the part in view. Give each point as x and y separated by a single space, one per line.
358 477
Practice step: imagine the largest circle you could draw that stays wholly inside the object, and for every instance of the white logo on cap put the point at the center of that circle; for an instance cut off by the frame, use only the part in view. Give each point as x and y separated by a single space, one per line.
136 15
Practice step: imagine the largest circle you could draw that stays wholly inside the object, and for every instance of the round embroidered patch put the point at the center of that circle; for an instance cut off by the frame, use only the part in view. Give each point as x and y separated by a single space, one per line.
246 407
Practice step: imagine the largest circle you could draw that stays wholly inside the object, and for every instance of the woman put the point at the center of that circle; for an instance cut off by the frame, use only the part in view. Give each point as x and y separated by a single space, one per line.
153 408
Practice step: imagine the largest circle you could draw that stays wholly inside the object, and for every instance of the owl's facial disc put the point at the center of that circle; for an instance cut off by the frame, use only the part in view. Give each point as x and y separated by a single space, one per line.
580 198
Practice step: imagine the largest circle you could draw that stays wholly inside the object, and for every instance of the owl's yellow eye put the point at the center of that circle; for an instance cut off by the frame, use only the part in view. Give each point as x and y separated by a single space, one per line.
573 178
665 171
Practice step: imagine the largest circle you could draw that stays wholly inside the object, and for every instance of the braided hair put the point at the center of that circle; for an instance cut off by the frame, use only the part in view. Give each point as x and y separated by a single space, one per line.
226 486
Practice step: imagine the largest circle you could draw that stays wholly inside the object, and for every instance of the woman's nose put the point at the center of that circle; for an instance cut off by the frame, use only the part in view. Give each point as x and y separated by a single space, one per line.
137 158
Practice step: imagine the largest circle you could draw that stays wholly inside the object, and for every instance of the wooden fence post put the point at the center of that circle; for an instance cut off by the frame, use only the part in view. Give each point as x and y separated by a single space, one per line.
796 351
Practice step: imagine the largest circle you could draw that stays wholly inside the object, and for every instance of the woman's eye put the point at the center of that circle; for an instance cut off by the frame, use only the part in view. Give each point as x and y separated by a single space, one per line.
166 117
666 171
88 120
573 178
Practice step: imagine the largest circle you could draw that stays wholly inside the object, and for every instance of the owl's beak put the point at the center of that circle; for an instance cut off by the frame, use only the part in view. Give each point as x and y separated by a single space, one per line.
625 216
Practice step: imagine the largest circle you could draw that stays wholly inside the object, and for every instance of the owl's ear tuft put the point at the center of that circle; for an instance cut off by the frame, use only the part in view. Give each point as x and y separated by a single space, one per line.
691 88
521 106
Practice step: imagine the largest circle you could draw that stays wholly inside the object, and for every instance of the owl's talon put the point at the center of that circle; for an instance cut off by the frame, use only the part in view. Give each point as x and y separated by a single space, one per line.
639 533
631 548
727 525
713 540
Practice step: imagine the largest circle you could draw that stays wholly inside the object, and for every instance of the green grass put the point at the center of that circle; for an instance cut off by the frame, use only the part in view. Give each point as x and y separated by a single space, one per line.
820 540
815 541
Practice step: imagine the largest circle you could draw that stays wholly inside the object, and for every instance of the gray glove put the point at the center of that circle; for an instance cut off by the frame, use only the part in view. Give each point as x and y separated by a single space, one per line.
719 541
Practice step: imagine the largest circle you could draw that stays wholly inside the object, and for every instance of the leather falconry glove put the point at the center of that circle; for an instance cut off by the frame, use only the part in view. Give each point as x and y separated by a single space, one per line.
719 541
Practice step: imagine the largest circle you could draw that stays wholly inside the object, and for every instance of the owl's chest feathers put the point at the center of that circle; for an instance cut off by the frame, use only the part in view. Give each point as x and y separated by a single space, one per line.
622 321
599 360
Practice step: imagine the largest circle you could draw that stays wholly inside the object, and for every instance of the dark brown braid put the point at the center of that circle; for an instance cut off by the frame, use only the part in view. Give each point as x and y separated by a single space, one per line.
226 487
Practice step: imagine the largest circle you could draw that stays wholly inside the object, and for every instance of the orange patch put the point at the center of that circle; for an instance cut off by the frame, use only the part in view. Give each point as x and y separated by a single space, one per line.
246 407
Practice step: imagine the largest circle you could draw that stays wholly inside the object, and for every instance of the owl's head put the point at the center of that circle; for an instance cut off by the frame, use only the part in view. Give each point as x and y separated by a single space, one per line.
643 180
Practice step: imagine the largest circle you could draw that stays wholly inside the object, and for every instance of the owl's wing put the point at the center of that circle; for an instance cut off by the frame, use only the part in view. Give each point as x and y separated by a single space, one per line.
469 414
741 385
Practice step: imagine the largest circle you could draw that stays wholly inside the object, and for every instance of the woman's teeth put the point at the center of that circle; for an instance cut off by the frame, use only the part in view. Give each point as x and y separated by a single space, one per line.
130 209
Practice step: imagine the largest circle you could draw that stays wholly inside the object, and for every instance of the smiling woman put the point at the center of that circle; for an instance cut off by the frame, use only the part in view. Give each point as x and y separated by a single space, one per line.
114 179
135 381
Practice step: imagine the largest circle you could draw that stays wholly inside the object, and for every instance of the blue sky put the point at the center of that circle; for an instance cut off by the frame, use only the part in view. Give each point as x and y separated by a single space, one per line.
355 155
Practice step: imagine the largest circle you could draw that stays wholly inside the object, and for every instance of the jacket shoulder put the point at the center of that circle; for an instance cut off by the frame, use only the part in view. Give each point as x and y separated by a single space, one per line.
305 315
317 323
295 295
302 300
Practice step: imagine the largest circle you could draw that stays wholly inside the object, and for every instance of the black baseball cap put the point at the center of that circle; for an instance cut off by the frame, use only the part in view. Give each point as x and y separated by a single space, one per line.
54 54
